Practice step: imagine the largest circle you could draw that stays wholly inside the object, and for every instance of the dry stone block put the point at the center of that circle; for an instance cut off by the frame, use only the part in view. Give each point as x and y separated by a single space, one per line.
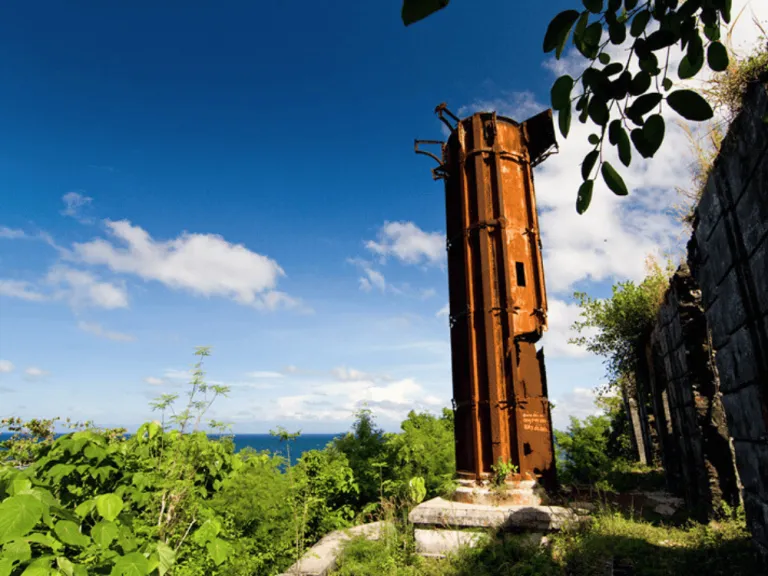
322 558
448 514
736 361
439 543
758 265
744 413
752 462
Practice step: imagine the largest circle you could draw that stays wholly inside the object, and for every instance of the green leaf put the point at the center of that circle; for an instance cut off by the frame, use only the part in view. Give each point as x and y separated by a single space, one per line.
598 111
689 105
594 139
584 196
717 57
561 92
36 570
613 180
591 40
617 32
167 557
93 452
613 69
666 83
18 551
640 83
642 105
133 564
154 427
69 533
65 566
558 29
594 6
613 131
18 515
648 139
650 64
695 50
207 532
218 550
653 132
625 150
104 533
660 39
109 506
415 10
712 32
639 22
688 69
43 540
581 26
588 164
126 539
20 484
6 566
604 58
564 121
85 508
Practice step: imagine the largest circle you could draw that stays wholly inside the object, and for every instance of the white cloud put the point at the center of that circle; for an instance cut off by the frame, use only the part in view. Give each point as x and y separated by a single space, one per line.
82 288
409 244
560 317
175 374
34 372
204 264
344 374
97 330
516 105
74 203
21 289
579 402
5 367
264 374
444 311
11 233
338 401
154 381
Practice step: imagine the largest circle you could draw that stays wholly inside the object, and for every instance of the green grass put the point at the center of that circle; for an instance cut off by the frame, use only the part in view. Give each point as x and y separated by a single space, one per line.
636 547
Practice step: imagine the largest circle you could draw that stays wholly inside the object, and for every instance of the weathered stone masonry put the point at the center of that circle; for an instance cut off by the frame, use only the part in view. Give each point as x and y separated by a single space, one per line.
708 354
728 255
688 410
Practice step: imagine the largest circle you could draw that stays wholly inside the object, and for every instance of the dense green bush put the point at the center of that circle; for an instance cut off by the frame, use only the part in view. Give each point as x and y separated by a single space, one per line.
170 499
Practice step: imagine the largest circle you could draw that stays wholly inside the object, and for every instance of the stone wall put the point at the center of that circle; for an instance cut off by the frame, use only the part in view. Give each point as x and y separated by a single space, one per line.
688 411
708 355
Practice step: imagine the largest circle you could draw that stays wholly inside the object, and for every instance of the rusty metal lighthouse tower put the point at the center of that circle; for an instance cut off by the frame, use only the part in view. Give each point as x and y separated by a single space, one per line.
498 302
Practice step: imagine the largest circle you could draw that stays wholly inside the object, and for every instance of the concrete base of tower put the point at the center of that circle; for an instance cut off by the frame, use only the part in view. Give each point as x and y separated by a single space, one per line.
512 493
443 526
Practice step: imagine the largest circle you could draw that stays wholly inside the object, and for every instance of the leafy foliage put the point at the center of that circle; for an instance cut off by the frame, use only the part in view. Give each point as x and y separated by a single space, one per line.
613 327
169 499
582 455
619 97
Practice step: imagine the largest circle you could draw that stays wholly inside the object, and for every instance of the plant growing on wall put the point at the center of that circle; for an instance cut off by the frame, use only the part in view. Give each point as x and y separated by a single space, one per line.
624 99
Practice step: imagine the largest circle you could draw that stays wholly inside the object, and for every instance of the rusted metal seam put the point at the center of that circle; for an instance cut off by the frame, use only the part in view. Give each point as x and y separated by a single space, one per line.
507 357
484 241
470 295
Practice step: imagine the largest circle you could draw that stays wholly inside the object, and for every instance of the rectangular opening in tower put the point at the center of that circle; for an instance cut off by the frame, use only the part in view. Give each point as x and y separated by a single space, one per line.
520 272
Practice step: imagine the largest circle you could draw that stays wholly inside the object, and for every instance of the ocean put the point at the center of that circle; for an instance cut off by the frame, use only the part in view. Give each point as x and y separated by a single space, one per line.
260 442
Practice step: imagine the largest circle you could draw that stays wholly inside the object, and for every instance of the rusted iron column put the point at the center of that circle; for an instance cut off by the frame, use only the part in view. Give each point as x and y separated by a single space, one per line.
498 306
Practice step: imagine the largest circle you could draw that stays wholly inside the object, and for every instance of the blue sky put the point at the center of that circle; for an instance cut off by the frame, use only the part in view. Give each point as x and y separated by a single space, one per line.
241 175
